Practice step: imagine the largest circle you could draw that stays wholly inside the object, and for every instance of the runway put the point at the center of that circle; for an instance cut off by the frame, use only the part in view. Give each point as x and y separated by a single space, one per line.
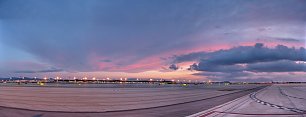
167 102
274 101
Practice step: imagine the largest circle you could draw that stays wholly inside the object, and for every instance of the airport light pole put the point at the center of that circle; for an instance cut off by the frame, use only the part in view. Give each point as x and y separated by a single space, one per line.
74 79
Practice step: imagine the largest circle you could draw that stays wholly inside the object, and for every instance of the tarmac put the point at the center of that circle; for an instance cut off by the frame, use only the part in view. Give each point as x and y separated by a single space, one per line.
116 102
286 100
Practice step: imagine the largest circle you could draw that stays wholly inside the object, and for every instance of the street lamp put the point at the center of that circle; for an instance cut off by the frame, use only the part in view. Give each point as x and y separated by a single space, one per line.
74 78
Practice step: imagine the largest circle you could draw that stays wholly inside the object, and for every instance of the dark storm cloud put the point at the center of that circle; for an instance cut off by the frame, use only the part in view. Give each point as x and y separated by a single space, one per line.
174 67
277 66
249 54
232 60
192 67
219 68
235 62
257 53
241 63
189 57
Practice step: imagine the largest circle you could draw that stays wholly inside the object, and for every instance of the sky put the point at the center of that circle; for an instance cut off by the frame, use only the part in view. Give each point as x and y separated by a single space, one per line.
219 40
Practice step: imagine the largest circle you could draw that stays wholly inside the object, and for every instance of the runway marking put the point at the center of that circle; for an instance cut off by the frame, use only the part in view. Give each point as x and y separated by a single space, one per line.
212 112
204 113
290 95
39 115
253 96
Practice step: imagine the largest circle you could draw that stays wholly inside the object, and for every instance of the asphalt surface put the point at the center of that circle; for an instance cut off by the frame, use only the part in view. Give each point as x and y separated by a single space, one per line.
278 100
174 110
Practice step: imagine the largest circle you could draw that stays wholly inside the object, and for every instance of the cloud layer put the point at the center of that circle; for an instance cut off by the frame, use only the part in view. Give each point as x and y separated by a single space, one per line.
242 59
132 36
